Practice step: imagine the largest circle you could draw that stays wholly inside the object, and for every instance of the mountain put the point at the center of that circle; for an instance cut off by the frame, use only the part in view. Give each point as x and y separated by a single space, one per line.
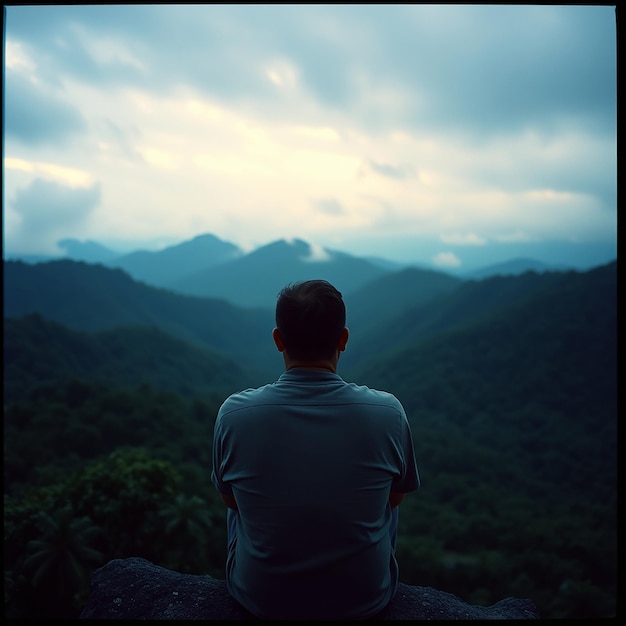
534 380
30 258
386 264
468 301
89 251
254 280
387 295
93 298
38 351
555 342
541 369
169 265
182 266
514 267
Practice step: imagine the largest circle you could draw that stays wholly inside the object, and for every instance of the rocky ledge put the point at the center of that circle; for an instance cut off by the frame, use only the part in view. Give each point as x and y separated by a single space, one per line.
137 589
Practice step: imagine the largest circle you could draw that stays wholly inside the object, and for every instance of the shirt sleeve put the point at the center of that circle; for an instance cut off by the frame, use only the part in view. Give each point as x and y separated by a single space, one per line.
409 479
218 457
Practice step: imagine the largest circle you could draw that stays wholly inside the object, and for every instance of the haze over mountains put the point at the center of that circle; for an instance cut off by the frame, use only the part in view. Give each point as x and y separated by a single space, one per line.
387 310
210 267
209 293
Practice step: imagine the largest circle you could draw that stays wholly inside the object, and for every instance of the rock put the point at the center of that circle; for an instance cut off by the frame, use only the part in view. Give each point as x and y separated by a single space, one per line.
137 589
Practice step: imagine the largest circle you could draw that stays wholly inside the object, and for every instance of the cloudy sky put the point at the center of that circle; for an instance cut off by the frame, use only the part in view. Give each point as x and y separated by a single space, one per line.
450 135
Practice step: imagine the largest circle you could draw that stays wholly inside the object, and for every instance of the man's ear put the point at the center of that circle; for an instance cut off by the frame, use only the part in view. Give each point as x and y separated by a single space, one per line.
278 340
343 339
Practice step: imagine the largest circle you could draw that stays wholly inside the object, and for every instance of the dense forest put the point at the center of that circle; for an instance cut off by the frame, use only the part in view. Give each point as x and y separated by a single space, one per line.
510 384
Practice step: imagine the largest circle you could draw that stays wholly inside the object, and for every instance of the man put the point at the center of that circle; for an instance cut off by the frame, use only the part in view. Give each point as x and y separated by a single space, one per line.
312 470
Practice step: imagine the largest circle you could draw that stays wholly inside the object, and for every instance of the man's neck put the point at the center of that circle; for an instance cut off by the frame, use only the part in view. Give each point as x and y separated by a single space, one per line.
321 364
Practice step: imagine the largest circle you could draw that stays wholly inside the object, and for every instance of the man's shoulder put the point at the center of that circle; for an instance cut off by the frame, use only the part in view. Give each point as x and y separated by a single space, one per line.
371 392
245 396
369 395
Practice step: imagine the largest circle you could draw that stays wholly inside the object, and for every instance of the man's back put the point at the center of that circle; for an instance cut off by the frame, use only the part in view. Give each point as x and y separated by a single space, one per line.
311 461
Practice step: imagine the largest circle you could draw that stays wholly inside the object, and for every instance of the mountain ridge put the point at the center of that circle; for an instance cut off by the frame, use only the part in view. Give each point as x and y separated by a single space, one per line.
40 351
513 267
92 297
256 278
179 262
161 267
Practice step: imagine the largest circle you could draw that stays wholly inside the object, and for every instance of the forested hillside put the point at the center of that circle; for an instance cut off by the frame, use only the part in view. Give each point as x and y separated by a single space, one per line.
381 299
427 304
92 297
510 385
39 351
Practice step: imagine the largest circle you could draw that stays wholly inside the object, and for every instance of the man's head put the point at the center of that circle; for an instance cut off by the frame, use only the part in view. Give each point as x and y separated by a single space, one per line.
311 320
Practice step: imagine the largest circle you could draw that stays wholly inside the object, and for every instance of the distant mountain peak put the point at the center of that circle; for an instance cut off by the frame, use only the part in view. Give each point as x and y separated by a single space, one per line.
205 242
298 249
90 251
207 237
165 266
289 242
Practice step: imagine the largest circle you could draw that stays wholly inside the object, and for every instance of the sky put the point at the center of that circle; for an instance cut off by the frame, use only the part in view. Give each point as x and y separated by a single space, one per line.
449 135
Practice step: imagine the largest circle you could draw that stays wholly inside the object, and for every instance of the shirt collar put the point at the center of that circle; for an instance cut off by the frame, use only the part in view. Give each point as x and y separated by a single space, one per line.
306 374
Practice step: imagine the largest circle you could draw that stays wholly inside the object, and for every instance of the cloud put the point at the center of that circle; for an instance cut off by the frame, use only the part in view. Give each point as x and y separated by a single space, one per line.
457 68
574 160
317 254
36 116
390 171
483 78
467 239
478 122
446 259
88 43
517 236
69 176
46 211
121 142
329 206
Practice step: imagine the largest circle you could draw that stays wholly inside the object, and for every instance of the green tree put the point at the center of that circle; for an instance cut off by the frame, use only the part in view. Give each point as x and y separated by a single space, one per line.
123 494
60 560
188 524
187 514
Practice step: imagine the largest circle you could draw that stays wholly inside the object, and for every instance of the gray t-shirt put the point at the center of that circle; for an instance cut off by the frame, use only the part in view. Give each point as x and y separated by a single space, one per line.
311 460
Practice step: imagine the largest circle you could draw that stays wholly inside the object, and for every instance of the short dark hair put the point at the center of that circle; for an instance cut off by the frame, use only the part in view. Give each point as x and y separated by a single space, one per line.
310 316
